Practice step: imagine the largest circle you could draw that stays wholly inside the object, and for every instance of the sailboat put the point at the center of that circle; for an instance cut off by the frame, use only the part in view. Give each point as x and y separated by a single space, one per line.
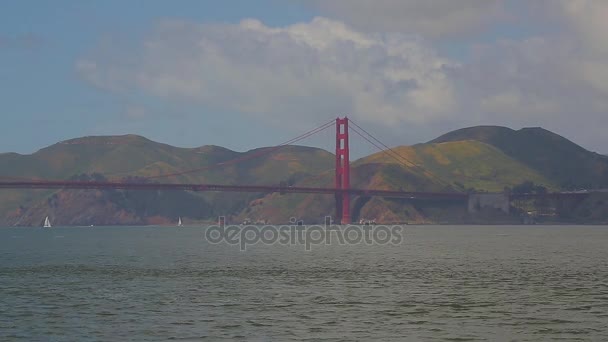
47 223
179 222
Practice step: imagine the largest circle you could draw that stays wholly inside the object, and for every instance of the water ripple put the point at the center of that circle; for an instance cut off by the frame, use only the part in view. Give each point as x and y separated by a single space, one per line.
443 284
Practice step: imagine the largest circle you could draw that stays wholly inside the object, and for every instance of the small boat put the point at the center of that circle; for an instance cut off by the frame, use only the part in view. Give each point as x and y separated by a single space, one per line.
47 223
179 222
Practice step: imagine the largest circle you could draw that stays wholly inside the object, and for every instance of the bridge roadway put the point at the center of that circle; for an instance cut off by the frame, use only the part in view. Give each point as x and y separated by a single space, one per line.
228 188
39 184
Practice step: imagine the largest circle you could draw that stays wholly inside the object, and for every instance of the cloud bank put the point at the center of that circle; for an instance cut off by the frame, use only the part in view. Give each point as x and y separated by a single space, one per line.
318 68
430 18
311 71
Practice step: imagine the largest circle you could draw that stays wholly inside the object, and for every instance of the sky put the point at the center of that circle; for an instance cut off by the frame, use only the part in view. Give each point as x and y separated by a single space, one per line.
245 74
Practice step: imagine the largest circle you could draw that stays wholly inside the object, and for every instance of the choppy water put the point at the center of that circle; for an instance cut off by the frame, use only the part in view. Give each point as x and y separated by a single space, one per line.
442 283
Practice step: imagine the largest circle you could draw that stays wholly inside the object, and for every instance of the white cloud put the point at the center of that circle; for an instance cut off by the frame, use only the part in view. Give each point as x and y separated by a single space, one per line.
536 82
321 68
431 18
310 71
589 21
558 74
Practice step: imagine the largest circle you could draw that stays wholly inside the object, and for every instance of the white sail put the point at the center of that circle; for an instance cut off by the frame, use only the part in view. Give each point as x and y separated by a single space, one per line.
47 222
179 222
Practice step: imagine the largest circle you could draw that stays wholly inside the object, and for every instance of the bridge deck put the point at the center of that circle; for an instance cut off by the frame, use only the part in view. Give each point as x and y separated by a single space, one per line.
226 188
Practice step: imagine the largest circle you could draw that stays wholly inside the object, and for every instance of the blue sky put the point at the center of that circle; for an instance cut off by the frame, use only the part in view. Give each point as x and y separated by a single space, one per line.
244 74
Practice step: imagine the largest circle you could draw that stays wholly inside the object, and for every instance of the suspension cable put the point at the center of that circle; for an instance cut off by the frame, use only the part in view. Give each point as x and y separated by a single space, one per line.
393 154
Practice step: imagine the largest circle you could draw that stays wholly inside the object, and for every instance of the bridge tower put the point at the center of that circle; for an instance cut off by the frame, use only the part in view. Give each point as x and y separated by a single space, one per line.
342 171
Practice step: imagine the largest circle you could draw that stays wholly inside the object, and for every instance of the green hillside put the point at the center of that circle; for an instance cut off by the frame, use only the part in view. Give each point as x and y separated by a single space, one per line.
122 156
484 158
450 166
117 157
462 164
565 163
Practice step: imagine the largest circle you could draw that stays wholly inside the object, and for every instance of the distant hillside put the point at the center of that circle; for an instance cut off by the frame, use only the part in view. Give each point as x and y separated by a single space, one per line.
484 158
116 157
555 157
450 166
131 155
465 164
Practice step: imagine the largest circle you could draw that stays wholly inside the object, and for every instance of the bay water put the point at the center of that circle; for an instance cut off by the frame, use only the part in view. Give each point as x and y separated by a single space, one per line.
441 283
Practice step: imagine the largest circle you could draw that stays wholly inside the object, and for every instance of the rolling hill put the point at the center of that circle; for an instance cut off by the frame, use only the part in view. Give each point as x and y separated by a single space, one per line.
466 164
117 157
450 166
484 158
563 162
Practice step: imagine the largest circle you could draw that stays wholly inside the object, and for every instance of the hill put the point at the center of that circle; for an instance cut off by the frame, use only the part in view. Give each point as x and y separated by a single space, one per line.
484 158
130 155
565 163
466 164
450 166
116 157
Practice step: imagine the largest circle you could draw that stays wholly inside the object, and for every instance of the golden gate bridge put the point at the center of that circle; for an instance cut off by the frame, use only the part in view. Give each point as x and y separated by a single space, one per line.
342 189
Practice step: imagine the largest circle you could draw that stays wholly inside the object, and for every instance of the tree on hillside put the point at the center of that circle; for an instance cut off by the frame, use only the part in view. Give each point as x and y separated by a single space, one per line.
528 187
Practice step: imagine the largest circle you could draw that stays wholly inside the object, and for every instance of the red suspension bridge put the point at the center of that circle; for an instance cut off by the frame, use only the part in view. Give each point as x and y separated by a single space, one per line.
342 190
